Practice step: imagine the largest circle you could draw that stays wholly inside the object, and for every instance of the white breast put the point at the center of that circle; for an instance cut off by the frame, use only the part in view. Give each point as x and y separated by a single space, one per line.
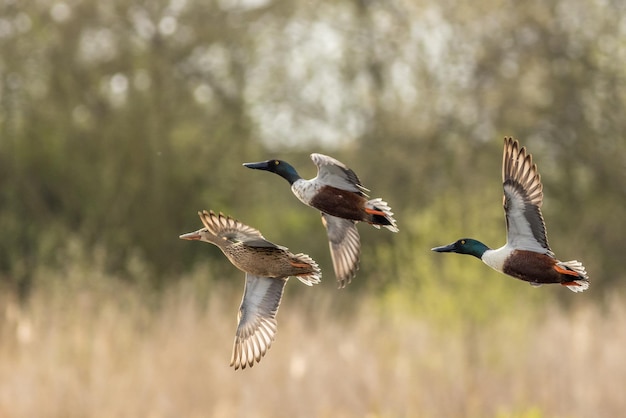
305 190
496 258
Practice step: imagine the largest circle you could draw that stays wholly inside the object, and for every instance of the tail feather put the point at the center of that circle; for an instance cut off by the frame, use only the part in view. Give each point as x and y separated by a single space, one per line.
312 278
581 282
381 214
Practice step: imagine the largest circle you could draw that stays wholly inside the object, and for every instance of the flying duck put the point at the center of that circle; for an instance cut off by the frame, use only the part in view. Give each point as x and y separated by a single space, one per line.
338 194
267 267
526 254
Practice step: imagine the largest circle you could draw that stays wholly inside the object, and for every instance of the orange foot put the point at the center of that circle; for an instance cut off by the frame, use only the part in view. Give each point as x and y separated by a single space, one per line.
375 212
570 284
565 271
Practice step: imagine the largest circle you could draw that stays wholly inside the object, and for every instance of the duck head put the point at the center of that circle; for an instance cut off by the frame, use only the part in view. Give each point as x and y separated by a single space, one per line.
464 246
280 167
199 235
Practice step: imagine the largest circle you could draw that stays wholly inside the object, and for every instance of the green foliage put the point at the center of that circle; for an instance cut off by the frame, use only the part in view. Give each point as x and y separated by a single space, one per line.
120 119
450 289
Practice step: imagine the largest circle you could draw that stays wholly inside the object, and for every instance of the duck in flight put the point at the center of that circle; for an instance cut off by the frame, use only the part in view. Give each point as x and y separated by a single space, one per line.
526 254
338 194
267 267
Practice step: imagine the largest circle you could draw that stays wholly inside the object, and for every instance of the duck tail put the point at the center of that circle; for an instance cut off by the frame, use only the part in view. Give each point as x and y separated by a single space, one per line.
576 278
313 277
380 214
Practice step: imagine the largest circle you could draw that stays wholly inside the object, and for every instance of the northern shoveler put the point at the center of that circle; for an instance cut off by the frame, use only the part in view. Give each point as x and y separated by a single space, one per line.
337 192
267 267
526 254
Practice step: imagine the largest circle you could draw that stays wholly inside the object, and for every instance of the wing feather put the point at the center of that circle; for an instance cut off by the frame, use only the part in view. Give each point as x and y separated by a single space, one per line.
345 247
332 172
523 197
257 319
230 229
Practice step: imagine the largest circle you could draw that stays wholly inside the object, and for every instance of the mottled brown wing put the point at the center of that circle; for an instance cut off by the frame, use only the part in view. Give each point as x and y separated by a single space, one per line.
231 229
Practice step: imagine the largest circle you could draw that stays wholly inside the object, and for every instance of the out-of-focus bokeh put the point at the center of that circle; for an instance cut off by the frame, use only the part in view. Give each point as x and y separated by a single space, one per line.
120 119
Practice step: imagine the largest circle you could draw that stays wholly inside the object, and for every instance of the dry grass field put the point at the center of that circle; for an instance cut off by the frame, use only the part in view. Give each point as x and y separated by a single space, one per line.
100 348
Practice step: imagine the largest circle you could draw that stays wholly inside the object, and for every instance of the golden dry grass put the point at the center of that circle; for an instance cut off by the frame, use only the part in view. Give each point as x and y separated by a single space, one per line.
110 350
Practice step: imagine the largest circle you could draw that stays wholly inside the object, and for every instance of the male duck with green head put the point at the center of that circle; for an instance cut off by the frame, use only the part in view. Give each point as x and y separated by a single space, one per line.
526 254
338 194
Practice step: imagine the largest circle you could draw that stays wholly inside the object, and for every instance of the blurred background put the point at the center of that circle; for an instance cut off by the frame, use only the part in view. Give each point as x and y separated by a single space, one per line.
120 119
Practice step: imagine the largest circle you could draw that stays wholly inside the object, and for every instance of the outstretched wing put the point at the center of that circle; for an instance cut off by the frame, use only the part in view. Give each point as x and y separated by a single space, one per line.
345 247
331 172
257 319
231 229
523 197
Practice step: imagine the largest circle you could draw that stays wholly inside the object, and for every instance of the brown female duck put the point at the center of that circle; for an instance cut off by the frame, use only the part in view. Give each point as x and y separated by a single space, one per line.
267 267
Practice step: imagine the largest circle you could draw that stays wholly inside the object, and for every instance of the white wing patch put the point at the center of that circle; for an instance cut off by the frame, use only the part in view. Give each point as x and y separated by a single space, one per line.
525 227
331 172
523 197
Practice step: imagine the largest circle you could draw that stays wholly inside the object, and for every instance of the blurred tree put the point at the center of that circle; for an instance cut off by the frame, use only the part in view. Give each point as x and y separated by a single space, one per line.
120 119
109 109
